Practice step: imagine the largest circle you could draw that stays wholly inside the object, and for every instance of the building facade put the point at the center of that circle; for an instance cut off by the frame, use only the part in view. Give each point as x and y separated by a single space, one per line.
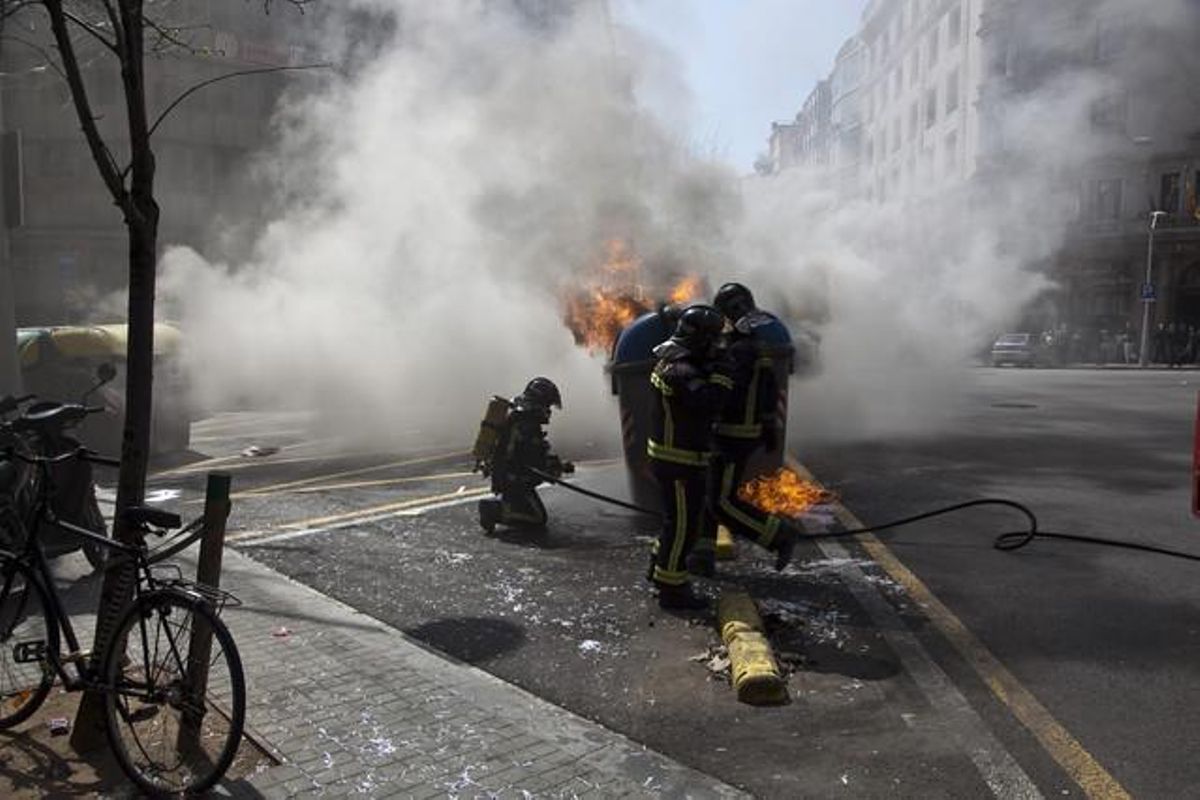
66 242
956 96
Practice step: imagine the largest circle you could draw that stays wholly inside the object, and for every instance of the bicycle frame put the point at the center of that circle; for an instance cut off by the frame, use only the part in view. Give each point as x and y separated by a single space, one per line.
34 558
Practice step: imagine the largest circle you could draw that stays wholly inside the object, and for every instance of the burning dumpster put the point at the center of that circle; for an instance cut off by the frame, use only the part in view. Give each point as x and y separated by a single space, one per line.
629 371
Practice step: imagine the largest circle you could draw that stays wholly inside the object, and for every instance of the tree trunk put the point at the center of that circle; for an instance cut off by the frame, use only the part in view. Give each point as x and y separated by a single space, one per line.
141 218
117 591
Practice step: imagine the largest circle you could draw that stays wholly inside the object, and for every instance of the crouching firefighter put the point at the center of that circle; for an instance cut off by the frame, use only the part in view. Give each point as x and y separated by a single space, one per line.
747 421
689 390
511 443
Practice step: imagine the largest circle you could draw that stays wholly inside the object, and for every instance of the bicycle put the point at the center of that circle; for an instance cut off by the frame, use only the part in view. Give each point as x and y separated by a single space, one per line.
173 726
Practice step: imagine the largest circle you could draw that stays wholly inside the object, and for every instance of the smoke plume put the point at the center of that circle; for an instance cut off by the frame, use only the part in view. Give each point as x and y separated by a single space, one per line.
431 202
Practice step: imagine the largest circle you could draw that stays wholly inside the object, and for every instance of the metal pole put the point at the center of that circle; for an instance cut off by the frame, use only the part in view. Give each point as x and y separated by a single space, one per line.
1144 347
208 572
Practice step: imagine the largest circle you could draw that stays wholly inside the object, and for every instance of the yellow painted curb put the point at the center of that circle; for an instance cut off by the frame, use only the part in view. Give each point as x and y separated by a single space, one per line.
725 547
756 676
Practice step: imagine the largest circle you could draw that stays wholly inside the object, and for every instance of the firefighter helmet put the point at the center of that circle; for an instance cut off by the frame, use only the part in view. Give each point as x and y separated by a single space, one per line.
542 392
698 328
734 300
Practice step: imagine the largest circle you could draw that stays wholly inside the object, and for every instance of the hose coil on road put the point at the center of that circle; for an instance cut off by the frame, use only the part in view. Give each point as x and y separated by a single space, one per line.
1008 541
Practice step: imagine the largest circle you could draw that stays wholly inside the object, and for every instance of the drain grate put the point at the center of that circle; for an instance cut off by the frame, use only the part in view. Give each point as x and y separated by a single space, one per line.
1014 405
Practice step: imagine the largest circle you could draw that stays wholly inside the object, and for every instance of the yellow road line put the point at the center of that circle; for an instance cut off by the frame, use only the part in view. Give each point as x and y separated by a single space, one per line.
1097 783
366 484
408 462
351 485
386 508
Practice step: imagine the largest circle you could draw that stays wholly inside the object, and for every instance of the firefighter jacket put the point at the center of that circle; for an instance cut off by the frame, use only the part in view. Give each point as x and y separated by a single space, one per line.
689 393
522 445
751 403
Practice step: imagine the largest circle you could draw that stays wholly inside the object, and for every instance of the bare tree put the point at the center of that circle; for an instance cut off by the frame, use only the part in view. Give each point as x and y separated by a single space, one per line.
124 30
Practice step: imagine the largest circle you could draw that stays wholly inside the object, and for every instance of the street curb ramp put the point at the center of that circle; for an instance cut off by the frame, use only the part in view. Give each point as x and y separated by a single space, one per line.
754 671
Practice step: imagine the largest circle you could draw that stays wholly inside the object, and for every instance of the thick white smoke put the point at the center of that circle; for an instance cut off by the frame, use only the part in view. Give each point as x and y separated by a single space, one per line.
438 199
431 204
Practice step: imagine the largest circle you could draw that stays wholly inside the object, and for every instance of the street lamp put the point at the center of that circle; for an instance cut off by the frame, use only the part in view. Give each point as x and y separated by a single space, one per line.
1147 292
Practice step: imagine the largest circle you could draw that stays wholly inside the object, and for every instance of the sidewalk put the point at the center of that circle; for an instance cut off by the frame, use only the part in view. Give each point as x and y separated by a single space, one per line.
354 707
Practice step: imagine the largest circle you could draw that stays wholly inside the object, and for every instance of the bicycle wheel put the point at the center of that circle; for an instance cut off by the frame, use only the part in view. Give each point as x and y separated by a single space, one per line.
171 734
28 641
93 520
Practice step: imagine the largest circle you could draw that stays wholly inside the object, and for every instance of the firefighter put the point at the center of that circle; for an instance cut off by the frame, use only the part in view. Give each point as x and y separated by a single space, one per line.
521 445
689 386
747 421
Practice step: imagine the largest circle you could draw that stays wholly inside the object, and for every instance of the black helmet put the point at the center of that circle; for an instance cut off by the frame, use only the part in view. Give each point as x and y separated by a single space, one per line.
542 392
734 301
698 328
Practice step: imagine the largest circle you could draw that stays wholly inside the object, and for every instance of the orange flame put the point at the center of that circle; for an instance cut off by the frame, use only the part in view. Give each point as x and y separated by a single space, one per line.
614 297
611 300
686 291
784 493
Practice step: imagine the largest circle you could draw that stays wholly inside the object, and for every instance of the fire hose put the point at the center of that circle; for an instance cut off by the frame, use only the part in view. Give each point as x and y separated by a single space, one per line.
1008 541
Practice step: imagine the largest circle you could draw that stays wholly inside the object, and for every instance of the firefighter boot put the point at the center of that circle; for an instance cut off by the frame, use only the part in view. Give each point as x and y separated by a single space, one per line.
489 514
785 543
702 562
680 598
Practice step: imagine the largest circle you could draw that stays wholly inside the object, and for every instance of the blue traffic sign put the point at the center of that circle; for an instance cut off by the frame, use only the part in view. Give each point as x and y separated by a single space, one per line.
1148 292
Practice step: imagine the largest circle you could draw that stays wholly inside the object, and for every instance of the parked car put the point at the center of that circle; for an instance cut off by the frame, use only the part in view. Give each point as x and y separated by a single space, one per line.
60 362
1020 350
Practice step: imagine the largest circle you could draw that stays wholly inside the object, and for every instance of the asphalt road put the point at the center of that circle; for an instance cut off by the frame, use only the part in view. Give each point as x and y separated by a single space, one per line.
882 703
1108 640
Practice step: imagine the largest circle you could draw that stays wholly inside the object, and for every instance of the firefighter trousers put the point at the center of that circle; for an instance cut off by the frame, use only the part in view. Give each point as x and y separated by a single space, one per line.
517 506
728 470
685 513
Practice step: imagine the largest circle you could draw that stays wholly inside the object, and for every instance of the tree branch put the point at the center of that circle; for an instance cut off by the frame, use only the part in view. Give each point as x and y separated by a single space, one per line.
74 77
227 76
91 30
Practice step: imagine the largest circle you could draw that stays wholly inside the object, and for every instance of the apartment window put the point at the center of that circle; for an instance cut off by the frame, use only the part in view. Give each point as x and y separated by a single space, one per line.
913 115
914 67
931 110
1112 34
952 153
895 134
955 28
1106 199
933 45
952 92
1109 112
1169 192
899 78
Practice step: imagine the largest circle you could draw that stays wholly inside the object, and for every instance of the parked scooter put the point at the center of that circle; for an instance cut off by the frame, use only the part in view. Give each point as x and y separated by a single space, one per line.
73 495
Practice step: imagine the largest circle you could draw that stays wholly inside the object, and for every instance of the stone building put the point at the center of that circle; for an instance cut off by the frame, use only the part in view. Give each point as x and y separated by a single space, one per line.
66 244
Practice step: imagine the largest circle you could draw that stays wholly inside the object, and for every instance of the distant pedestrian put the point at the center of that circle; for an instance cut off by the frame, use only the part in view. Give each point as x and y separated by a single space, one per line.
1178 344
1159 354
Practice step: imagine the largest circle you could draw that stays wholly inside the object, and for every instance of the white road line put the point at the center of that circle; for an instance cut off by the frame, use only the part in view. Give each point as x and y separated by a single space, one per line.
248 538
999 770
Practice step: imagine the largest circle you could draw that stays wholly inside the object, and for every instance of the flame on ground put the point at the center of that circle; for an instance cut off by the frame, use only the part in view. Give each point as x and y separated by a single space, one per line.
784 493
615 296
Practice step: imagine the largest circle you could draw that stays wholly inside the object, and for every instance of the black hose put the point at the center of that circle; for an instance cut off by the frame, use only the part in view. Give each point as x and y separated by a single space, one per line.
603 498
1011 540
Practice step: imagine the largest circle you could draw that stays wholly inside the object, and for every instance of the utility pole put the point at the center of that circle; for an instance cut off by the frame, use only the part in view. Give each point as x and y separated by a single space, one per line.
1147 292
9 375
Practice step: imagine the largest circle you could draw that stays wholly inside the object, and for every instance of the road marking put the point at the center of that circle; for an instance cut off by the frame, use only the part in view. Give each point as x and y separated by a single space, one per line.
1097 783
408 462
412 507
363 484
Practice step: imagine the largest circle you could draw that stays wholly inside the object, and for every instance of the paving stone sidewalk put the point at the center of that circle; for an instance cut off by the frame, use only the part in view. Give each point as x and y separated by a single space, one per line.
357 708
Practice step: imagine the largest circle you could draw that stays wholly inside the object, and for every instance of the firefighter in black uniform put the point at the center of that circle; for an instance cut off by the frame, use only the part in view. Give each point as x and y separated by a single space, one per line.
520 446
748 420
689 387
